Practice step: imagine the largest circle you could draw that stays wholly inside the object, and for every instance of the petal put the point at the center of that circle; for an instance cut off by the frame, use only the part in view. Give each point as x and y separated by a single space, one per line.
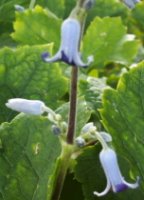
108 187
110 166
56 57
70 36
120 187
132 185
79 63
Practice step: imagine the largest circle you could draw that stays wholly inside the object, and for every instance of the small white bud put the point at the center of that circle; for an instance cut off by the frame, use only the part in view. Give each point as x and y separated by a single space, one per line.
88 128
107 137
80 142
34 107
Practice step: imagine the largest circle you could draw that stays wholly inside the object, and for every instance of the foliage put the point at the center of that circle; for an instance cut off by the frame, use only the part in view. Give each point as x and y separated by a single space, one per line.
110 94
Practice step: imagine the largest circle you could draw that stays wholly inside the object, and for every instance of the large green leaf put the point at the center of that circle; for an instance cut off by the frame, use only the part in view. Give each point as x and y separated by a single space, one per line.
28 153
92 88
37 26
23 74
90 174
107 40
123 114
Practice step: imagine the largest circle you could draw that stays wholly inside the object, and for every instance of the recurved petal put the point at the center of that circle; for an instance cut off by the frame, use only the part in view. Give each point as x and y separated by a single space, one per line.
79 63
108 187
132 185
56 57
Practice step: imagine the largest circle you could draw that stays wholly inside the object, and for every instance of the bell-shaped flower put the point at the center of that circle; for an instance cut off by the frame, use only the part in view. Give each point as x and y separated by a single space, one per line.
34 107
115 180
68 51
131 3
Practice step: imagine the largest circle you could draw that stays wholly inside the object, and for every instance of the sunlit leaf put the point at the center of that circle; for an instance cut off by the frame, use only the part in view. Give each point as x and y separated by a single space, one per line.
37 26
23 74
107 40
28 153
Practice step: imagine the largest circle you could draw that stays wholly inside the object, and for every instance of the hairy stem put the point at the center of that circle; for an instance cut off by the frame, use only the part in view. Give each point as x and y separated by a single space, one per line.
73 104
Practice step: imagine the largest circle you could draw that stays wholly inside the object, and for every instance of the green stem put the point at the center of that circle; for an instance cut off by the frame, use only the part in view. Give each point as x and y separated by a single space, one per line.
32 4
61 170
73 104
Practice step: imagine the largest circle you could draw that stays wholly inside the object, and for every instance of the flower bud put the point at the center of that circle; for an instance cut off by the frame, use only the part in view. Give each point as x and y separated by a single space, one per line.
34 107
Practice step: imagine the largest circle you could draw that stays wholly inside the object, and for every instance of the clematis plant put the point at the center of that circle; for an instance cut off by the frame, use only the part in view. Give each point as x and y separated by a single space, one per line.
71 144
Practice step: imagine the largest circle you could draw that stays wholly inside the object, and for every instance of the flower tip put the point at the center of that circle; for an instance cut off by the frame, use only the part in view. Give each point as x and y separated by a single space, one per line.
44 56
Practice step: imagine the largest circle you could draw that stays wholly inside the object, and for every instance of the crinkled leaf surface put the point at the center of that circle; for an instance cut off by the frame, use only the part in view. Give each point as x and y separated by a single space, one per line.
23 74
123 117
107 40
92 89
112 8
83 113
89 172
27 158
37 26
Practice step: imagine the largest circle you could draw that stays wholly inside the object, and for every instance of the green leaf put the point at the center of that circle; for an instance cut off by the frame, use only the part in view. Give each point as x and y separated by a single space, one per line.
90 174
107 40
83 113
111 8
23 74
56 6
28 153
92 88
137 20
7 10
123 114
37 26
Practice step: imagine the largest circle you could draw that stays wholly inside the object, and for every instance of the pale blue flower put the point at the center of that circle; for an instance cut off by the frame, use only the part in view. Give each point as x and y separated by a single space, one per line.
115 180
131 3
68 51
